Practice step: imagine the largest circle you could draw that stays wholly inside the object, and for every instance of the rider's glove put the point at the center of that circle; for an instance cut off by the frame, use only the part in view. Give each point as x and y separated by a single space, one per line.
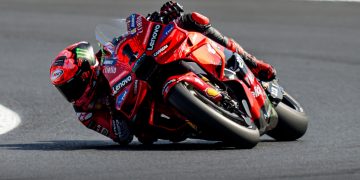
154 17
170 11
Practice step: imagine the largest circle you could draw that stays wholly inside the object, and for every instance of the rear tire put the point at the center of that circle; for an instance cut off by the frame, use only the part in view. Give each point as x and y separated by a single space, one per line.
213 121
292 122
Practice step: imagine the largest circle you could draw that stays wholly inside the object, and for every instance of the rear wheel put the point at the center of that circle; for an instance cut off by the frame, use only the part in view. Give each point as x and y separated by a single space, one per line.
292 120
212 118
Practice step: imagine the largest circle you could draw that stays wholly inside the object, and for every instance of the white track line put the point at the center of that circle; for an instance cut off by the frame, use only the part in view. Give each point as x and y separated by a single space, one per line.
8 120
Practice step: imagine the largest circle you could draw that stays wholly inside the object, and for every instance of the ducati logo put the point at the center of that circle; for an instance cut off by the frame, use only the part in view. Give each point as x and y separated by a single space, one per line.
109 70
211 92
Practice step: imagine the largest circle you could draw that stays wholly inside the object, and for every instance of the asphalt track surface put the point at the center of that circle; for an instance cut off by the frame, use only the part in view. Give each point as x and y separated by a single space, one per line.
313 45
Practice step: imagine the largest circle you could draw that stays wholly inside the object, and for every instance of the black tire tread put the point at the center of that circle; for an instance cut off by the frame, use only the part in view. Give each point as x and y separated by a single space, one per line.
182 99
292 124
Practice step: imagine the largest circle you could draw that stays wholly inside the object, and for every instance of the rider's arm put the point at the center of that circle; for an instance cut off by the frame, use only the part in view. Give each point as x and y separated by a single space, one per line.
103 123
173 11
96 120
200 23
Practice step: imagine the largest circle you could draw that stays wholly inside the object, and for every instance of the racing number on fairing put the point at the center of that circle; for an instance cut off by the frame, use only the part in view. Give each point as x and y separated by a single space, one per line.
127 51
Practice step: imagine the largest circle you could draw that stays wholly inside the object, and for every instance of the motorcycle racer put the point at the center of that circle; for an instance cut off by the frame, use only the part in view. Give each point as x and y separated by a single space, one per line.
76 73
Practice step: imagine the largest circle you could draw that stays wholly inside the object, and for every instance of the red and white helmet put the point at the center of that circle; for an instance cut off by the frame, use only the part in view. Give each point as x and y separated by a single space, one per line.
73 70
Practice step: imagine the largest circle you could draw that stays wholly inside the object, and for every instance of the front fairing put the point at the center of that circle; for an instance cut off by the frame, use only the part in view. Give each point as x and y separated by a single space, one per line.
127 92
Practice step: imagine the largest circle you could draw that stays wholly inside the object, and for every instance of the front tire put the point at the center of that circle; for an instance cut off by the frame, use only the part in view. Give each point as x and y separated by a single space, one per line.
293 121
202 113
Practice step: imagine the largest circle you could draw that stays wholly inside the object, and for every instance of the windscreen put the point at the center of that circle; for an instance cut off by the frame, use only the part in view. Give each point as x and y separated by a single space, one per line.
109 30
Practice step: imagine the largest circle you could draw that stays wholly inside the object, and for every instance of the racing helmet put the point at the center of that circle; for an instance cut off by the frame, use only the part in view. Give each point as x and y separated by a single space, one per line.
73 70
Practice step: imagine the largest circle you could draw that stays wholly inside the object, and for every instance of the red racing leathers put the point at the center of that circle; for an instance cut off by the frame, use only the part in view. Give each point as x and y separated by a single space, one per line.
94 110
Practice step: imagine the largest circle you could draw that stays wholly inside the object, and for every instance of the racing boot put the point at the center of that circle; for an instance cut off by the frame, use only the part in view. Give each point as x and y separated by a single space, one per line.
262 70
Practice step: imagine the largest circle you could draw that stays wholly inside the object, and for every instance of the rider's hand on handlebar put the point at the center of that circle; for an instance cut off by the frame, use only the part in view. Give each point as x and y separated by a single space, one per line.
154 17
170 11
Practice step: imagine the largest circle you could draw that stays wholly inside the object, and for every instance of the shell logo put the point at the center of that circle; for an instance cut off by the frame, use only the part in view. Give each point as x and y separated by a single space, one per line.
212 92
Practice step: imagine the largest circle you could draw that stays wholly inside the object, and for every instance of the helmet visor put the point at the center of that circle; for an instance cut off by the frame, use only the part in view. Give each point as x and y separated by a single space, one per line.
73 89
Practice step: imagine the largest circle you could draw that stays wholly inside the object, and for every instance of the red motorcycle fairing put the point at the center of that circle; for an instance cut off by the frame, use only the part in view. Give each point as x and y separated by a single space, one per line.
167 44
128 92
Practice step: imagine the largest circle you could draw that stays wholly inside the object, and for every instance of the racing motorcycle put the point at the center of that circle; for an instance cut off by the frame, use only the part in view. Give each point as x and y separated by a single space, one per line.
172 84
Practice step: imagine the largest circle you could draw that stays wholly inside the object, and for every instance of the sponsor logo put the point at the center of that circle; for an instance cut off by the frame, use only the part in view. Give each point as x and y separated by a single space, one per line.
257 91
121 84
132 24
56 74
154 36
83 116
84 54
109 62
101 130
211 92
240 61
109 70
162 49
121 99
165 89
274 91
132 21
136 83
167 31
139 24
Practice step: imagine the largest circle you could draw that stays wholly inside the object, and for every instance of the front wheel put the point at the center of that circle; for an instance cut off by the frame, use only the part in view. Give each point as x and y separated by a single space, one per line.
212 118
292 122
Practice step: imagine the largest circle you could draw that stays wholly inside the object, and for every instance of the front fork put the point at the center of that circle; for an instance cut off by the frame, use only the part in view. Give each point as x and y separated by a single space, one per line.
265 95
